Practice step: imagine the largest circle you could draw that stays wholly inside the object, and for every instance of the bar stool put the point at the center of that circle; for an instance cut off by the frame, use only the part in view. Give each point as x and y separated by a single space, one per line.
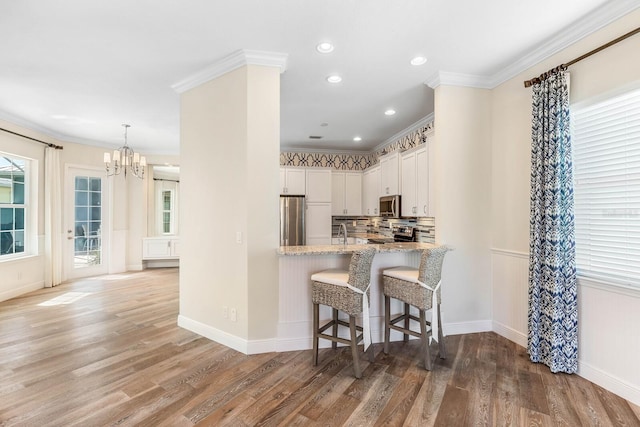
418 287
347 291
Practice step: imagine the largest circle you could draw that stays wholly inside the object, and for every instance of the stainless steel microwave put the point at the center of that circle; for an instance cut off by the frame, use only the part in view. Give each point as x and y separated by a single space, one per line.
390 206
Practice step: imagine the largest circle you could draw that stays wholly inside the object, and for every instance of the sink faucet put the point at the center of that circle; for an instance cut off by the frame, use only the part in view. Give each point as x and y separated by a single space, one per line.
343 231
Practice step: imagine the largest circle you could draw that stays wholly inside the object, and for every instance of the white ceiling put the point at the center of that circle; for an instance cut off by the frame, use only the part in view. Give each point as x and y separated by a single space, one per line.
78 69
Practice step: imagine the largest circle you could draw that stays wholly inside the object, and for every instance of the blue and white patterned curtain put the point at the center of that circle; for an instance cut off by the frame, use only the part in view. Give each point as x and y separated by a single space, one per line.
553 306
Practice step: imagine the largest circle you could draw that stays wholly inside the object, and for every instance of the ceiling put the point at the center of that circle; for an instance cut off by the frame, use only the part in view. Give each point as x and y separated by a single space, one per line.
77 70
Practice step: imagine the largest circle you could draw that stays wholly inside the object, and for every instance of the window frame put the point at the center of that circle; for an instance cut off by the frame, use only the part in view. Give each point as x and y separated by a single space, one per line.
28 206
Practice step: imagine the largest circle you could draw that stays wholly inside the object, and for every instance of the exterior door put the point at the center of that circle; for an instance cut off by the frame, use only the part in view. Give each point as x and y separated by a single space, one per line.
86 223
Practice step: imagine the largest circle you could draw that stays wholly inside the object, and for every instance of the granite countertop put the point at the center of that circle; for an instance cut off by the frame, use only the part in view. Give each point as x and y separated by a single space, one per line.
349 249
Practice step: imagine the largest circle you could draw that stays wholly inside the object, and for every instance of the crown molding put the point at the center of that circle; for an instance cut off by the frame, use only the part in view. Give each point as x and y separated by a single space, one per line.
458 79
32 126
420 123
231 62
597 19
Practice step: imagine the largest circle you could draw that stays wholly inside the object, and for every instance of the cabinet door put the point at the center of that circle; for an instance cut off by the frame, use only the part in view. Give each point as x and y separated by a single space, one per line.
295 182
422 182
366 198
156 248
337 193
374 191
283 181
175 248
318 224
408 201
353 193
318 186
389 175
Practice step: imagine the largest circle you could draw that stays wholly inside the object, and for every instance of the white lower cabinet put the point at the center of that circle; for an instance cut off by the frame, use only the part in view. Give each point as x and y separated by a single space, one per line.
318 224
160 248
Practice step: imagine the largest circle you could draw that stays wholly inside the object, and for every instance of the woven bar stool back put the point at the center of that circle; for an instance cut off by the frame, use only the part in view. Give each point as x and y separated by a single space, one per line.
346 291
416 287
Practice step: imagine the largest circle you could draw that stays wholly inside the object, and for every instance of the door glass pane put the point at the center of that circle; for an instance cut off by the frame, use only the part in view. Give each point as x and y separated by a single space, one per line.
95 184
88 222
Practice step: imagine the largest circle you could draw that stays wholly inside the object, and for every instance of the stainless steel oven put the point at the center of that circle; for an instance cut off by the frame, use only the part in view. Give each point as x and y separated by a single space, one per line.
390 206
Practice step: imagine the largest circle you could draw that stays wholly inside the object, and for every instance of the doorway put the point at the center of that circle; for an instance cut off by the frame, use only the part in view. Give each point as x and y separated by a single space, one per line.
86 222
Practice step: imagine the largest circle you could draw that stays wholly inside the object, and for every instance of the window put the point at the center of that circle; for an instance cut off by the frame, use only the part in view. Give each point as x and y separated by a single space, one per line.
13 204
606 149
167 212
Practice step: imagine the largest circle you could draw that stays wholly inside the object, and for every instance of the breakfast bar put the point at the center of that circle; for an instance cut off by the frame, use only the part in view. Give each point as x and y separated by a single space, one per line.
298 263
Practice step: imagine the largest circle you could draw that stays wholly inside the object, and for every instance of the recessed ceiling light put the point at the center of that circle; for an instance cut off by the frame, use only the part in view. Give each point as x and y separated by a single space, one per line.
315 137
334 78
357 139
324 124
324 47
418 60
389 112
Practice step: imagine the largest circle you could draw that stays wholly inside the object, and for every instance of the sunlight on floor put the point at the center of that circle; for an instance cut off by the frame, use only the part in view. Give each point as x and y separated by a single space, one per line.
64 299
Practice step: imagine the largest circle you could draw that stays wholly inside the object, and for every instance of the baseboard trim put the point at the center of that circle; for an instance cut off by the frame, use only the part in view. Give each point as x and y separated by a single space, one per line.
135 267
239 344
609 382
214 334
510 334
377 335
24 289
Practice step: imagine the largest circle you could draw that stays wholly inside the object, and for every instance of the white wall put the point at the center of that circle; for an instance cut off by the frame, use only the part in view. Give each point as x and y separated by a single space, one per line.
608 343
128 219
229 189
463 200
26 274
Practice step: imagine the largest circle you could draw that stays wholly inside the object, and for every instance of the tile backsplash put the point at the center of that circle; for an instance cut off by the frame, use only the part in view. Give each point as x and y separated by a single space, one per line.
425 227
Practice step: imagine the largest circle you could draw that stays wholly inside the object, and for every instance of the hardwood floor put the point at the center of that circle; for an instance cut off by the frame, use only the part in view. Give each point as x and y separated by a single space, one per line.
107 351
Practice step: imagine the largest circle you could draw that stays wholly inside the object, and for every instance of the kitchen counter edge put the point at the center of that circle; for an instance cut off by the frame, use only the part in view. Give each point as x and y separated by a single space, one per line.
349 249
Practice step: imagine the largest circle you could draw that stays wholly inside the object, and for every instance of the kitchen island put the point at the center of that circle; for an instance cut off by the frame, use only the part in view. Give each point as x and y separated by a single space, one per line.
298 263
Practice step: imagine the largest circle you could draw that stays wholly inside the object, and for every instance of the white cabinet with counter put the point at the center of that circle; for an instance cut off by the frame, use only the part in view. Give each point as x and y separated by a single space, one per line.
346 193
390 174
161 248
292 181
371 191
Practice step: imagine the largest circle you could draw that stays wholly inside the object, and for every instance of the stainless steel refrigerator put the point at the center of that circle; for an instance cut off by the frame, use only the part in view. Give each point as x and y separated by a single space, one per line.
292 210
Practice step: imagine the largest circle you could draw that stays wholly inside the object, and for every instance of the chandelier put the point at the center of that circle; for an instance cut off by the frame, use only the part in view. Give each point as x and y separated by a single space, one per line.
125 159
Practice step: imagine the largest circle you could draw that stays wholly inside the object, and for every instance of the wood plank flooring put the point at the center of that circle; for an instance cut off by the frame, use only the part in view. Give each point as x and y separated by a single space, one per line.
107 351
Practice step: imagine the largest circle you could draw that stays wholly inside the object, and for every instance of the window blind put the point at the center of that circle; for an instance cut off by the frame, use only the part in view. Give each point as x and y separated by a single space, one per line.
606 157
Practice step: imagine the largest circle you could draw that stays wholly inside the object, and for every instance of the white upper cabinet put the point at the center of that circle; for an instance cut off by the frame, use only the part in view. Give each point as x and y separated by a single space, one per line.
371 191
292 181
423 183
408 202
417 181
318 186
389 174
346 193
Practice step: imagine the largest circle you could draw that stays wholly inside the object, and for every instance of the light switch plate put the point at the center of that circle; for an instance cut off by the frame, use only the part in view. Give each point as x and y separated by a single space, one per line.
238 236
